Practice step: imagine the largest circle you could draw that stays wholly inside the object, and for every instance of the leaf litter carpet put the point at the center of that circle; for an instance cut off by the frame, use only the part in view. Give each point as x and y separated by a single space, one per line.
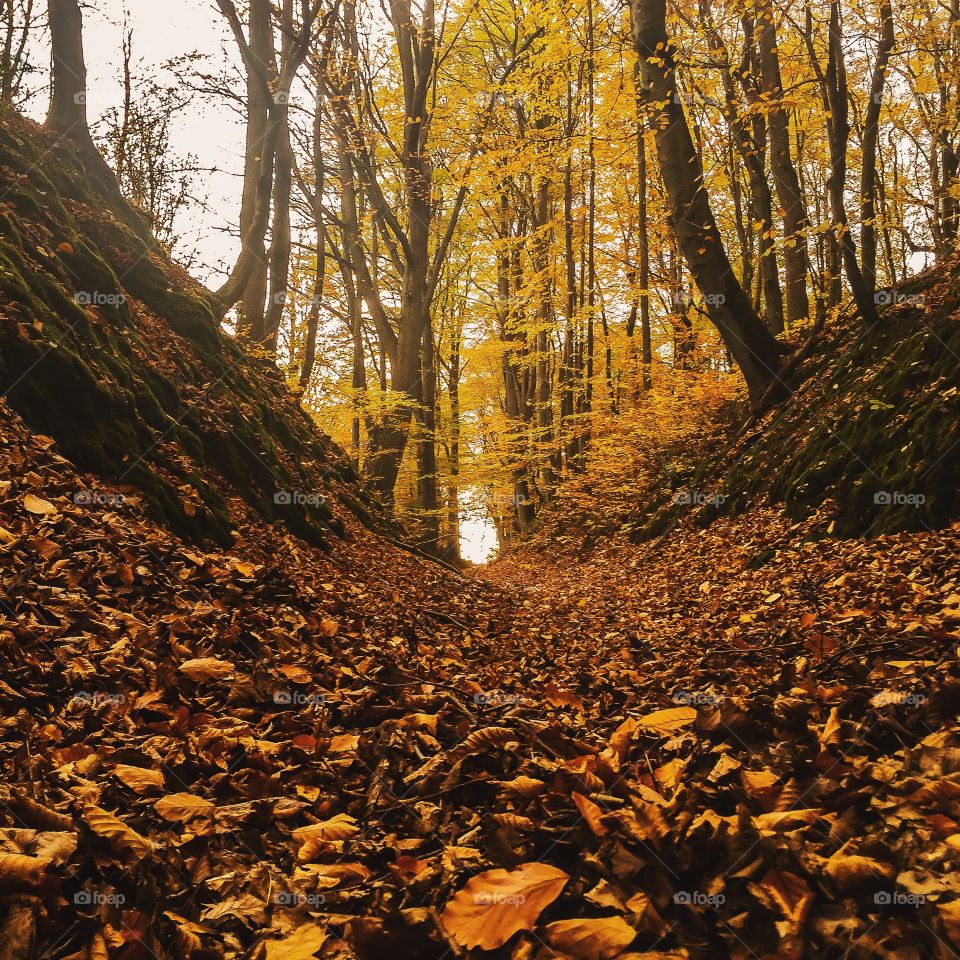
739 742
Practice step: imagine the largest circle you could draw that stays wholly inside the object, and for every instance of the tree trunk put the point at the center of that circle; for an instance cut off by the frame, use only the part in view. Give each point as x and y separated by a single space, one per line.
68 100
871 137
316 204
839 133
796 261
643 245
750 342
250 314
281 243
429 500
453 472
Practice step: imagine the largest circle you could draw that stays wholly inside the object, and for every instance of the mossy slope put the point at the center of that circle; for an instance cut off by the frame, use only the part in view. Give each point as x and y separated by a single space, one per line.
114 352
872 429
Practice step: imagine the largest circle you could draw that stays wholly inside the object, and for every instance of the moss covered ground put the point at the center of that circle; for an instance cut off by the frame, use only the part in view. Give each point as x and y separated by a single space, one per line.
114 352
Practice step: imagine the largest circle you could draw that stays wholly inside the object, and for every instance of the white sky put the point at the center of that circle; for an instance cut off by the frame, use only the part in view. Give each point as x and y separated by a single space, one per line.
162 31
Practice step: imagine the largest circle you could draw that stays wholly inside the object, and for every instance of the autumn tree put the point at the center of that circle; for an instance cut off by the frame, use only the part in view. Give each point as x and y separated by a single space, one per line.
748 339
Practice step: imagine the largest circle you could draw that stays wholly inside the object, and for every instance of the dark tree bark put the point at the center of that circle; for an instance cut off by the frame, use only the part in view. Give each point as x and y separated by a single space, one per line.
839 133
315 200
250 312
796 260
754 347
267 89
427 488
871 138
67 115
281 244
68 101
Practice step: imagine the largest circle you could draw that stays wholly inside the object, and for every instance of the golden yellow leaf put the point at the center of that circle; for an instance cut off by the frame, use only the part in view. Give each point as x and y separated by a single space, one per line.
496 904
667 721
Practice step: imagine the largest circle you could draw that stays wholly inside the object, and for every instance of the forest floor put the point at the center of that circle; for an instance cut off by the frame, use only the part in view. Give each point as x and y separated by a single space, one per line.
733 742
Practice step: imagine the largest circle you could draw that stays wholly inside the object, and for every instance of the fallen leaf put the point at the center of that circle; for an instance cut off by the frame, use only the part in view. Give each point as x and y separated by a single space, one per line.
590 939
183 806
139 779
38 506
207 668
302 944
668 721
496 904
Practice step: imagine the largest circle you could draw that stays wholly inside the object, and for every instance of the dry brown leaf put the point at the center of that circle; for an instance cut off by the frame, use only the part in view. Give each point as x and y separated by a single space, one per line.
183 806
830 735
849 871
301 944
121 837
788 820
22 874
317 836
784 893
950 915
38 506
591 813
480 741
596 939
139 779
207 668
525 787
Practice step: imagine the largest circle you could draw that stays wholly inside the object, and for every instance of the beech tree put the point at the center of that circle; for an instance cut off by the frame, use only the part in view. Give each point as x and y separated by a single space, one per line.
750 342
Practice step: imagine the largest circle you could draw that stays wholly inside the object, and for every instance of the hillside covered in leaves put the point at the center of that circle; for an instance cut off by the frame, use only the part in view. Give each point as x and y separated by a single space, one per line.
233 732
